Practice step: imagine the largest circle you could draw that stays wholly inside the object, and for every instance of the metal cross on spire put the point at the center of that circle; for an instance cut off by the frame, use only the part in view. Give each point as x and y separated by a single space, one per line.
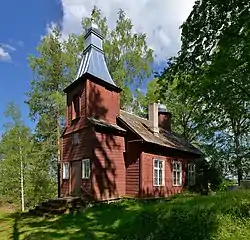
92 15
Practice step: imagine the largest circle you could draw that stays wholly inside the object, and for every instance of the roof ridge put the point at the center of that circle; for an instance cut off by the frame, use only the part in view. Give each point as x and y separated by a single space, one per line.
142 127
134 115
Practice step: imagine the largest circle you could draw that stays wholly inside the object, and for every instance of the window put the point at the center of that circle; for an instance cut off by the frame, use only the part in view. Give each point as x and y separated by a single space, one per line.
177 173
76 106
85 168
191 174
75 138
159 174
65 170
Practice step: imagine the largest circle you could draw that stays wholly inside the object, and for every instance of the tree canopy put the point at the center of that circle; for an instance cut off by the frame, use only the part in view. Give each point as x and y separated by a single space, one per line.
212 68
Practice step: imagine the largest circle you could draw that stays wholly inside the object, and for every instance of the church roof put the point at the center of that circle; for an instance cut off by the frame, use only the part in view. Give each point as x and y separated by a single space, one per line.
143 128
93 60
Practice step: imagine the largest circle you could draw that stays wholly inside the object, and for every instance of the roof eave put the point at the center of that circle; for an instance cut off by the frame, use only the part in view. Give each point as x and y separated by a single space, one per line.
90 77
177 149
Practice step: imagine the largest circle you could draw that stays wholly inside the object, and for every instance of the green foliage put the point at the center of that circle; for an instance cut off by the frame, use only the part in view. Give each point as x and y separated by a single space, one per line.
226 183
128 58
223 216
186 113
152 94
19 152
15 147
142 101
127 54
212 70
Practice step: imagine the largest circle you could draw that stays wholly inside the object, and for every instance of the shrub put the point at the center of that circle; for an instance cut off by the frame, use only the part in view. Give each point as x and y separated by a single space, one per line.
226 183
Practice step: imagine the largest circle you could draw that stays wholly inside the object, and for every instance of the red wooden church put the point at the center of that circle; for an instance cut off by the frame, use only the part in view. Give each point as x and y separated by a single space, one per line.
109 153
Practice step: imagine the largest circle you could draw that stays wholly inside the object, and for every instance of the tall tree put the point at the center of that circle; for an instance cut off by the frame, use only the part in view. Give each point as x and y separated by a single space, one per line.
127 54
213 64
14 149
187 120
46 99
128 58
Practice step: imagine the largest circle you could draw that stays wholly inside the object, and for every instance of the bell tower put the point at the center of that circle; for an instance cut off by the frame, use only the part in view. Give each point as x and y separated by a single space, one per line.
93 104
93 93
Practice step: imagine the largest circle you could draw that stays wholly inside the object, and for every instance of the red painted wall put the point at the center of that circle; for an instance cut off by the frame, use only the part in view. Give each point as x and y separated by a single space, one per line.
64 187
114 173
147 187
108 176
99 102
102 103
133 169
79 89
84 149
133 149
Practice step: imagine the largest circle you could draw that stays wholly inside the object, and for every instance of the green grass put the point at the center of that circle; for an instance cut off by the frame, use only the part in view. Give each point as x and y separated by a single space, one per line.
223 216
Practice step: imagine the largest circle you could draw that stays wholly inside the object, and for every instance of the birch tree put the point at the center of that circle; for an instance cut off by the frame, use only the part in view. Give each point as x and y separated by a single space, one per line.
14 148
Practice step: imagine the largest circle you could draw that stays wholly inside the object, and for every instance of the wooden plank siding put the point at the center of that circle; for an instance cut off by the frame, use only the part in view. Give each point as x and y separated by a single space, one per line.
120 165
77 152
151 152
102 102
108 176
81 90
147 187
133 168
105 151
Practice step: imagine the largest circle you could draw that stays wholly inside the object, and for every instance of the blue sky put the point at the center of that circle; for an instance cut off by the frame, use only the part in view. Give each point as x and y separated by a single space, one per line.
22 24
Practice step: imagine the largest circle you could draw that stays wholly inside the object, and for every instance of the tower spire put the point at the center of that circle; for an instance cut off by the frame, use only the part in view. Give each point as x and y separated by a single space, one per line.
93 61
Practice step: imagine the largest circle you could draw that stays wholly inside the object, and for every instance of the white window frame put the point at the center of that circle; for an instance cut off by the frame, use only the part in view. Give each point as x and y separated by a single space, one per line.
175 173
86 175
65 175
158 169
75 138
191 174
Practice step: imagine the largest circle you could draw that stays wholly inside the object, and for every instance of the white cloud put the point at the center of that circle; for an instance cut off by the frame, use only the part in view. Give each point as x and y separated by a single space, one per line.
8 47
17 43
160 19
5 50
4 55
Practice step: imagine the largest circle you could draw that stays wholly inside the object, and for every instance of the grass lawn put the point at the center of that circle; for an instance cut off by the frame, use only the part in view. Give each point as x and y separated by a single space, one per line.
223 216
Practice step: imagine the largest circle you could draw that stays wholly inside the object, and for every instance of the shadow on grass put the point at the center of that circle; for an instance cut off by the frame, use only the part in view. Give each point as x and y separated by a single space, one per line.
124 220
15 234
192 218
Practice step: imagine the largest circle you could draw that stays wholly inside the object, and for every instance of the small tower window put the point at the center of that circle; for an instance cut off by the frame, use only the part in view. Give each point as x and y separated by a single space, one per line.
76 107
75 138
65 170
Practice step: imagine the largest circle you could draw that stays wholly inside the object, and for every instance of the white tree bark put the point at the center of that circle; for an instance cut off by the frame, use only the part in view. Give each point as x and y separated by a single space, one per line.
21 175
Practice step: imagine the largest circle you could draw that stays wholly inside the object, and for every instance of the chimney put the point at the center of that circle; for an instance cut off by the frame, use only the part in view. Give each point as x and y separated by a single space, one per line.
164 117
153 117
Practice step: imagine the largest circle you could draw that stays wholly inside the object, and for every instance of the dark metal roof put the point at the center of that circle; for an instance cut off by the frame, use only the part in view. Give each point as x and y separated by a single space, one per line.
162 108
93 62
144 129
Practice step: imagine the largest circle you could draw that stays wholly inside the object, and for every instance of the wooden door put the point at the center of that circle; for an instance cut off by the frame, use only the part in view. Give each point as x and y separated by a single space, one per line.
76 178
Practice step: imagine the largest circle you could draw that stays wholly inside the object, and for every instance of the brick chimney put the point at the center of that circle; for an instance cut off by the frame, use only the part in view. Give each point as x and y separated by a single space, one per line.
153 117
164 117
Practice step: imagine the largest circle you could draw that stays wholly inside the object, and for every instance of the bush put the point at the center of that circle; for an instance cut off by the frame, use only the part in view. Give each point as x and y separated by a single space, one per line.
226 183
